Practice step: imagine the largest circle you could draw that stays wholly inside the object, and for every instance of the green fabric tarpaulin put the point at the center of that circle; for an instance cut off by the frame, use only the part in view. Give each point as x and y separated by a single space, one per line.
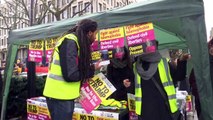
177 23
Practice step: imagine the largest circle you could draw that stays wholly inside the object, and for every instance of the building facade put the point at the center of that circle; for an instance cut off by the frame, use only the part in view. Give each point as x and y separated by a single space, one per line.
87 6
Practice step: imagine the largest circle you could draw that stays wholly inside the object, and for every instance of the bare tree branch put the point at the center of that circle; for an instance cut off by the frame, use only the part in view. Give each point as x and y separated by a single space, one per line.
66 6
42 16
5 21
25 9
5 28
47 6
81 12
35 10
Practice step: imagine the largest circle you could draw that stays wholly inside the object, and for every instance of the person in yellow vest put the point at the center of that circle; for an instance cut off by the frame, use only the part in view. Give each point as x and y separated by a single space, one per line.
155 93
69 67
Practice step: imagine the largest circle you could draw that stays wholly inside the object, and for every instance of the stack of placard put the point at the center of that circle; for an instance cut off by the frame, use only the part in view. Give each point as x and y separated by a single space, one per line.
37 110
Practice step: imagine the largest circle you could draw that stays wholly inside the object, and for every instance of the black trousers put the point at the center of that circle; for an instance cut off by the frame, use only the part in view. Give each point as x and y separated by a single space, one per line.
60 109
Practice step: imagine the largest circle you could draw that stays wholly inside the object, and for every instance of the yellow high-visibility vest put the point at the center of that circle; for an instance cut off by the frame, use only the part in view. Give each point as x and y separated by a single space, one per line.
55 86
167 83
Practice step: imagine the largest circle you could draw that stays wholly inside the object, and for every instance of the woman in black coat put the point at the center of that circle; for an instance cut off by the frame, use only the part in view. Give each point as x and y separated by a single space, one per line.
120 74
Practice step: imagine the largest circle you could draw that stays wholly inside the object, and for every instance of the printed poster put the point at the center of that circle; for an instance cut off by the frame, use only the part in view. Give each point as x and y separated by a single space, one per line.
49 47
96 54
131 106
111 38
95 91
111 41
37 109
35 51
140 38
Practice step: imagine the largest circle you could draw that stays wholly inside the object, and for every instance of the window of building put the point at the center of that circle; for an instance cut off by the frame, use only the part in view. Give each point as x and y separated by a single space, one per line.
100 7
63 2
58 2
44 20
5 40
25 25
53 18
117 5
107 1
22 25
68 12
36 7
62 15
104 6
49 3
96 6
111 2
0 22
49 17
2 42
41 7
19 26
10 20
87 4
68 1
74 10
80 6
0 32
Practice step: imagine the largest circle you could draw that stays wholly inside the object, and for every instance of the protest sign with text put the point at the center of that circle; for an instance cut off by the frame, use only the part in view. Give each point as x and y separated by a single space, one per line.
140 38
35 50
131 106
49 46
95 91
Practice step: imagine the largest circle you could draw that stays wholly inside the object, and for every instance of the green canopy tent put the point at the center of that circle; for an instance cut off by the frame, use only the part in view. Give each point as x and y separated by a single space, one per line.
178 23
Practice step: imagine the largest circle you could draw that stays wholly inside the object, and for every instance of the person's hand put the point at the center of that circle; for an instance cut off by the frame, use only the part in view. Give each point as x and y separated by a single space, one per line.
126 83
97 65
185 57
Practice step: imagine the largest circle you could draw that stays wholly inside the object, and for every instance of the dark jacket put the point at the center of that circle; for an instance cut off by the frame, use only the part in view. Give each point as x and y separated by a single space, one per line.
153 104
69 59
116 77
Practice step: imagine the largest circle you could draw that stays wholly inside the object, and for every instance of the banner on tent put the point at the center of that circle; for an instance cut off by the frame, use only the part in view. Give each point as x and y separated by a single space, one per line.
111 38
140 38
35 51
49 46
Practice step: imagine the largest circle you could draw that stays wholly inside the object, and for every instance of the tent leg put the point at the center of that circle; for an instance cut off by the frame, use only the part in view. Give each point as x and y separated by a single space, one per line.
11 56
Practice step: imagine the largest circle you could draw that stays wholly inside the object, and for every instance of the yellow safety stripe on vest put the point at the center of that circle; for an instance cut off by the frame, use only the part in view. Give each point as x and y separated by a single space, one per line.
138 99
167 71
56 62
137 85
138 92
166 84
56 77
170 97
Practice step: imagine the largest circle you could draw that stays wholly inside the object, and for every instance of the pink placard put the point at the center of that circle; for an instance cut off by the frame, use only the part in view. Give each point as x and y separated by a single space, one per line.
94 46
140 38
89 99
35 55
112 44
31 116
48 55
